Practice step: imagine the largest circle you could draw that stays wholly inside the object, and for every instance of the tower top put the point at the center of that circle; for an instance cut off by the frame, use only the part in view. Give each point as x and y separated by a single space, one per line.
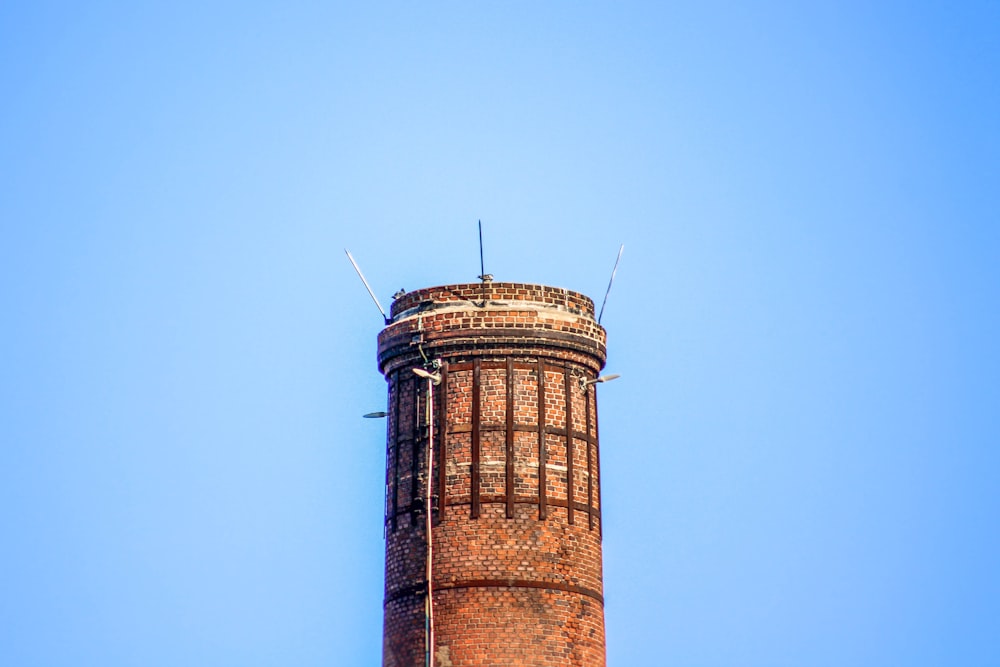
494 294
489 319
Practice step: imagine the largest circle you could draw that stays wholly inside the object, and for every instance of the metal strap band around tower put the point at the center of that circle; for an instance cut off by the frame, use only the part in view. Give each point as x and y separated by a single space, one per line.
421 588
444 341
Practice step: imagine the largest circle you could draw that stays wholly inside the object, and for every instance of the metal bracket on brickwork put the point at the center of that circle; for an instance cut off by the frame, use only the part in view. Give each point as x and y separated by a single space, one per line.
584 383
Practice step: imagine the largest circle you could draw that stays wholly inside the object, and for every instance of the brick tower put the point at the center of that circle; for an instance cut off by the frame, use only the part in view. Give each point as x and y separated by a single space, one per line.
515 570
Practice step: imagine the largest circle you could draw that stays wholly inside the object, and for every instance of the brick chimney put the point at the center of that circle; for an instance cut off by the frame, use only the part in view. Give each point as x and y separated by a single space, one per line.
515 486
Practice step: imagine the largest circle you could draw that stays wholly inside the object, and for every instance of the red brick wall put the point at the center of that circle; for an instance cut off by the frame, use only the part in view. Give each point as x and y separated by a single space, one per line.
517 514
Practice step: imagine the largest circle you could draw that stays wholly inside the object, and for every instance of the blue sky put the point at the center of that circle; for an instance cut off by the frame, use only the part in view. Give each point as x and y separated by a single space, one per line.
800 460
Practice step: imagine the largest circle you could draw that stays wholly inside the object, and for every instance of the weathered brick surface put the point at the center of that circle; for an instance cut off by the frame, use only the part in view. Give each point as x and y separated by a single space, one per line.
517 518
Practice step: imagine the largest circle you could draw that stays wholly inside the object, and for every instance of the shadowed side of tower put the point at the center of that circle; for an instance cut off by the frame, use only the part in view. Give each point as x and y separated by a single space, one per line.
515 485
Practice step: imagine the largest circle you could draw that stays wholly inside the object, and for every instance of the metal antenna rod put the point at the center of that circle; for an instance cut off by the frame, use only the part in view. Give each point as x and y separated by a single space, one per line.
604 303
367 287
482 266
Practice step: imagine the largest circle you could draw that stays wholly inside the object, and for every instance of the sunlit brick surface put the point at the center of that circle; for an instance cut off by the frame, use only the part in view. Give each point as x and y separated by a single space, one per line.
517 514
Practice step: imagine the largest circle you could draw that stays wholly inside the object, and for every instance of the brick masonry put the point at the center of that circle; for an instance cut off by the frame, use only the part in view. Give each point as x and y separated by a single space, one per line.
517 573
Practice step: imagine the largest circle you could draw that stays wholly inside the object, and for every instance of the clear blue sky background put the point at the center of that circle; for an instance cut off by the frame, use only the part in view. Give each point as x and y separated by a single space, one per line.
801 460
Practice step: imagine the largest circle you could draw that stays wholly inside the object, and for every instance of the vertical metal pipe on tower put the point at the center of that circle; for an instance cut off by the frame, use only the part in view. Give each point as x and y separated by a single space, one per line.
510 488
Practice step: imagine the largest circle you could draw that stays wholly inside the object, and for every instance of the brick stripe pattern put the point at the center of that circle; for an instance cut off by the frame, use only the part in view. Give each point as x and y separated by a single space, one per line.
516 483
